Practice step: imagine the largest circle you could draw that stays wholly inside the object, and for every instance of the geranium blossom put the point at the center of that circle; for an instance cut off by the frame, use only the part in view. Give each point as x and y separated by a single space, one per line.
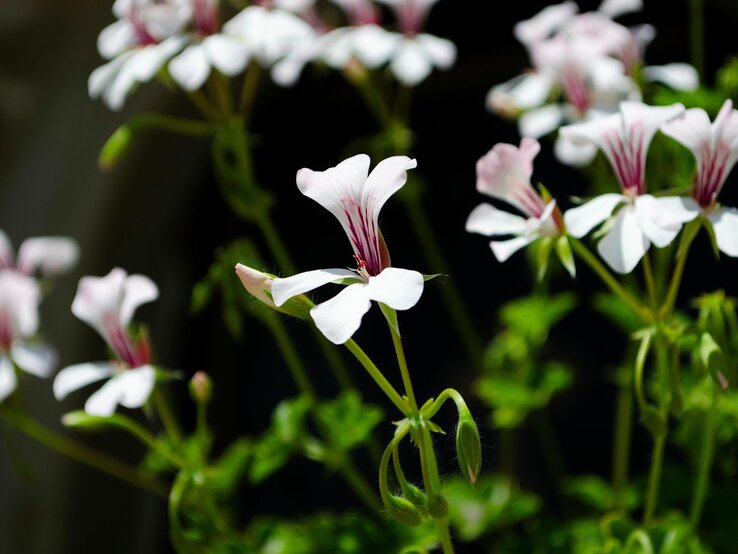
624 138
19 300
45 255
504 173
107 304
715 146
147 34
355 197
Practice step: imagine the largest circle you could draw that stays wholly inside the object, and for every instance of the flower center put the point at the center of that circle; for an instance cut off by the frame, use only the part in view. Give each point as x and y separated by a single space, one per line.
122 345
205 16
711 173
626 152
6 331
361 270
143 36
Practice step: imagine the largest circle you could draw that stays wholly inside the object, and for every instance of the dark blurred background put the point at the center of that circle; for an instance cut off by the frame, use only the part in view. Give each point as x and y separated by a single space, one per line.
159 213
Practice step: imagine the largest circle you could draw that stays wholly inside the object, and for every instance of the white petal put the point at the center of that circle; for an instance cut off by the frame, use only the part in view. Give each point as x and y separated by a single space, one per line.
373 45
137 290
285 288
670 211
411 63
616 8
442 52
230 55
8 379
503 249
573 153
692 129
191 68
340 317
624 246
541 121
549 20
103 402
102 77
524 92
489 221
116 38
399 289
20 296
136 386
725 223
679 76
7 254
36 359
580 221
50 255
385 179
660 235
258 284
97 297
74 377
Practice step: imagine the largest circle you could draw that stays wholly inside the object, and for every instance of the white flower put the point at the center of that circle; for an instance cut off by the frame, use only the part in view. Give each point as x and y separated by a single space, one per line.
624 138
504 173
47 255
107 304
147 34
715 146
355 197
19 299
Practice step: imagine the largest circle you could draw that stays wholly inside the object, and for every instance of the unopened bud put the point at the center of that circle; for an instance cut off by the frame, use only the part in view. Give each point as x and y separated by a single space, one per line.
437 506
116 146
414 495
259 285
468 447
201 388
82 420
403 511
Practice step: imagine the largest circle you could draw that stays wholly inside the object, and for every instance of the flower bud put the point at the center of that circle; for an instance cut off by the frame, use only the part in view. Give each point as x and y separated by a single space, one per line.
259 285
82 420
201 388
403 511
437 506
116 146
468 447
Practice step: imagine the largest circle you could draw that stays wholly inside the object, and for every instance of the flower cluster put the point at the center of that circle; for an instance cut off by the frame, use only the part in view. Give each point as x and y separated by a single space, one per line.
189 40
591 60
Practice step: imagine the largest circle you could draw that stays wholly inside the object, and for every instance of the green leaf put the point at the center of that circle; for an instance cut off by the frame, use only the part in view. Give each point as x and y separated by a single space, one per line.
594 492
231 468
349 421
534 316
543 253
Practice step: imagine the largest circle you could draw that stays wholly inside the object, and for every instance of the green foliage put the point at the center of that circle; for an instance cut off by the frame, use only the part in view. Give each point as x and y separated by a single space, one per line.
596 493
492 504
348 421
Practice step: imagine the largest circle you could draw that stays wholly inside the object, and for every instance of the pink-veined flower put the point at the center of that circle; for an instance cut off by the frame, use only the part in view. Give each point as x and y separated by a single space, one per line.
715 146
20 296
107 304
146 35
355 197
624 138
504 173
45 255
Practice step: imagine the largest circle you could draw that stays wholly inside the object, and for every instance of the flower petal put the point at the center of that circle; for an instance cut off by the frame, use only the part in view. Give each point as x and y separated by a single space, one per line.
441 51
679 76
660 235
340 317
489 221
725 223
372 45
580 221
692 129
257 283
7 254
191 68
50 255
116 38
8 379
411 63
399 289
670 211
102 403
524 92
503 249
542 25
386 178
98 296
137 290
624 246
285 288
74 377
541 121
20 296
573 153
36 359
616 8
229 54
136 386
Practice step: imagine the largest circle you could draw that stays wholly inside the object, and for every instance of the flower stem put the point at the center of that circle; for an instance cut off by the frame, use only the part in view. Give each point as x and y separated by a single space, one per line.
621 442
604 274
172 124
166 415
432 483
707 451
676 279
377 375
650 282
404 370
83 454
445 535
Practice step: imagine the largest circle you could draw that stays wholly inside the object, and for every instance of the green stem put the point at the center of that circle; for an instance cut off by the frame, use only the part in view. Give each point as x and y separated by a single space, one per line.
621 446
676 280
275 243
83 454
166 415
697 35
650 282
432 483
203 105
172 124
402 362
378 376
609 280
707 452
248 91
445 535
455 306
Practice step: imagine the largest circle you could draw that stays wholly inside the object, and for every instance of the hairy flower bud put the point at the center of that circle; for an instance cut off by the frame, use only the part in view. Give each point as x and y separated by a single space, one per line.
259 285
201 388
468 447
403 511
437 506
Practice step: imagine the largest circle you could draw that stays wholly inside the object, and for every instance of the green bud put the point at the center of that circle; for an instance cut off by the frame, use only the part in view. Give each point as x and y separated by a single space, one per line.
259 285
414 495
201 388
116 146
437 506
82 420
468 447
403 511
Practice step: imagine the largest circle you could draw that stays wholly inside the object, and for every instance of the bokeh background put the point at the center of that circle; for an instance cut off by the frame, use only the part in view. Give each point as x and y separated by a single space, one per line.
159 213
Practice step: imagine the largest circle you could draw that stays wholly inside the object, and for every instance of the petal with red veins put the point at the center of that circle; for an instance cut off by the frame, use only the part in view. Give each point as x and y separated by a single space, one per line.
50 255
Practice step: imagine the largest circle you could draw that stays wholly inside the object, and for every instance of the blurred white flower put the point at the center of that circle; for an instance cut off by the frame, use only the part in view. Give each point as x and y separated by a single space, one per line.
624 138
45 255
107 304
20 296
355 197
504 173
